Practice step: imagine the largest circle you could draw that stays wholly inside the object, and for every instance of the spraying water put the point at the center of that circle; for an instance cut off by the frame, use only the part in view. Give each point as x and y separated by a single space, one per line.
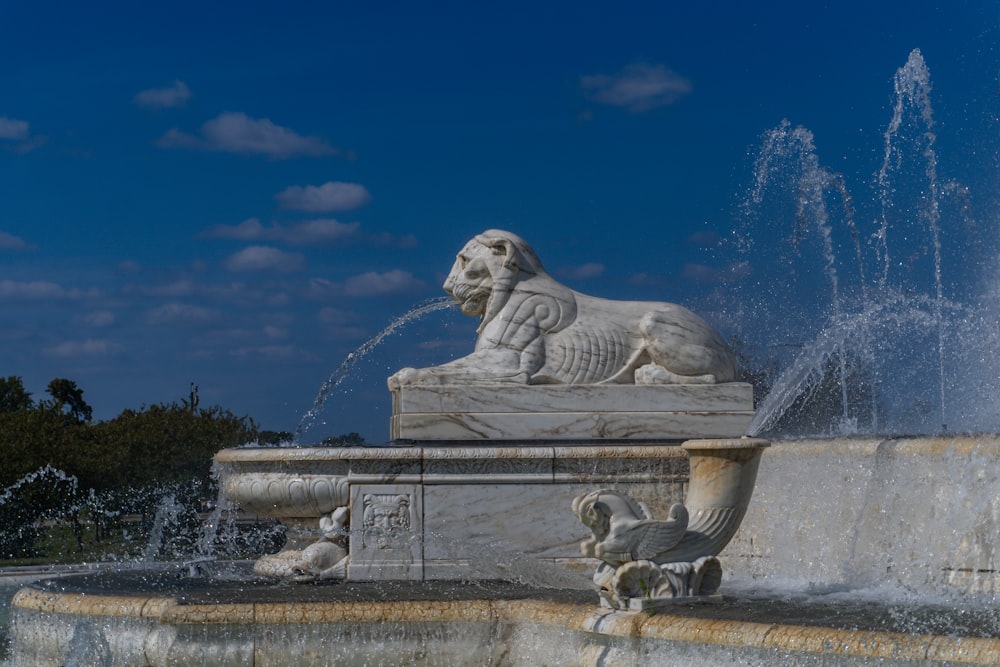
874 326
350 361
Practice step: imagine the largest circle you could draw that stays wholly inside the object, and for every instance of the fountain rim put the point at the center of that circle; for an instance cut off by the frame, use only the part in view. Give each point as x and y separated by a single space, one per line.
584 619
459 450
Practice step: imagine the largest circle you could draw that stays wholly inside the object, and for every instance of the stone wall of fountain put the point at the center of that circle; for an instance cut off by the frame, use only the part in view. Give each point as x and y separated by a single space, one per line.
908 517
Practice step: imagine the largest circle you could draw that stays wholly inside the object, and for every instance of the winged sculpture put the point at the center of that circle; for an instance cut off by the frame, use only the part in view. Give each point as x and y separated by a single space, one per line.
624 529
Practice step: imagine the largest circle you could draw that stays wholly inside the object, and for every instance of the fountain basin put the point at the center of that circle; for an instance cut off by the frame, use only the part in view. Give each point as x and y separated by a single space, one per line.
925 508
159 623
915 517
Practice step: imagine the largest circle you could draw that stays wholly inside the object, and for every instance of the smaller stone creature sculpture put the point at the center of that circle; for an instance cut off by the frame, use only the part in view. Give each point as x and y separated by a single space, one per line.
635 550
534 330
326 558
623 528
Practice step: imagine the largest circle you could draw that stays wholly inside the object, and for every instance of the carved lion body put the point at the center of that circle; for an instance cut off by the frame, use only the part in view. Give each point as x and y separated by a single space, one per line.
534 330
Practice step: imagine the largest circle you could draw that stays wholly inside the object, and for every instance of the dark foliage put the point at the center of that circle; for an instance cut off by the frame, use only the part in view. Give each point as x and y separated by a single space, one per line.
55 463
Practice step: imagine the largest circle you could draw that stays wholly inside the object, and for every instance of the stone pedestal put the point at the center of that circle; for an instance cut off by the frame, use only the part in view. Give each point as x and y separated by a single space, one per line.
571 412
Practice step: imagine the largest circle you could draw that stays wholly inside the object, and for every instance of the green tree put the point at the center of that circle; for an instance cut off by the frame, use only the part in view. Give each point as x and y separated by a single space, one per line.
13 395
68 399
274 438
166 442
351 439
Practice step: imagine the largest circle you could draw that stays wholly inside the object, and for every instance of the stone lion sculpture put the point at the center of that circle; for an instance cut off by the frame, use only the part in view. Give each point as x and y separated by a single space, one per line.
534 330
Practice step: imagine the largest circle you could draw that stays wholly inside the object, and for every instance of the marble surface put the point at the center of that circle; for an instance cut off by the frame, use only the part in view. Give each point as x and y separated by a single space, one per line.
534 330
560 412
570 426
443 512
727 397
645 559
158 629
917 515
476 511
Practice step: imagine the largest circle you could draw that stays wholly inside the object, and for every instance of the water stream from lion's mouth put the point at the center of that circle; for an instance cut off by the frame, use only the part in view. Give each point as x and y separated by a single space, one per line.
350 361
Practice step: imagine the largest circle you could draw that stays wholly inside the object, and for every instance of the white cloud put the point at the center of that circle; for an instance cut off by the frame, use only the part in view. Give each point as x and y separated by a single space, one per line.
11 242
582 272
238 133
264 258
638 87
98 319
647 280
181 287
705 238
331 196
41 289
374 283
310 232
248 230
175 95
388 239
701 273
320 231
129 266
267 351
182 313
272 331
13 129
84 348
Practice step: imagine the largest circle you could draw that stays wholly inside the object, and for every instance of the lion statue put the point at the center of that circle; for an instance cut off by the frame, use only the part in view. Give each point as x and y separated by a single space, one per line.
534 330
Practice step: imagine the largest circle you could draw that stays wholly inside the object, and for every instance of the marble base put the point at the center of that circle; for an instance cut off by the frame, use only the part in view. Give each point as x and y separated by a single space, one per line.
459 512
571 412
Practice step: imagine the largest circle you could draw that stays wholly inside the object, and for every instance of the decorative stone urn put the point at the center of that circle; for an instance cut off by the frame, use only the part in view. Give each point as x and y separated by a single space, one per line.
645 561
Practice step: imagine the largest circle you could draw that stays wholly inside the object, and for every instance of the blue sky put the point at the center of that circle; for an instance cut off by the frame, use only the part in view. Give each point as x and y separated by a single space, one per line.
239 194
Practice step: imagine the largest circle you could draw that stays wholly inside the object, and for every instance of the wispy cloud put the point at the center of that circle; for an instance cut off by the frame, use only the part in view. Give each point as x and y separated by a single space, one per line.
319 231
269 352
97 319
84 348
175 95
11 242
42 289
639 87
374 283
180 313
701 273
582 272
391 240
238 133
706 239
310 232
13 129
265 258
17 137
331 196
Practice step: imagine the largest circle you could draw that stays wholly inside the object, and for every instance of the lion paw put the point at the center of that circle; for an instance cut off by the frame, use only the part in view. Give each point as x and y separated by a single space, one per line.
656 374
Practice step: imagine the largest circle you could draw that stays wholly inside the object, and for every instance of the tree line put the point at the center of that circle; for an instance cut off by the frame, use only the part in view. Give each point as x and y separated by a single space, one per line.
56 461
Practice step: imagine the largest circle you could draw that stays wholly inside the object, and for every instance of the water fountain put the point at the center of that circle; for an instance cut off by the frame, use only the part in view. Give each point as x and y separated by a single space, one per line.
569 410
855 550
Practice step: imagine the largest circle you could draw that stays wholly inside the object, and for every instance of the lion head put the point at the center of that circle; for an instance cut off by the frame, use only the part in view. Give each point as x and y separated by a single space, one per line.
486 270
